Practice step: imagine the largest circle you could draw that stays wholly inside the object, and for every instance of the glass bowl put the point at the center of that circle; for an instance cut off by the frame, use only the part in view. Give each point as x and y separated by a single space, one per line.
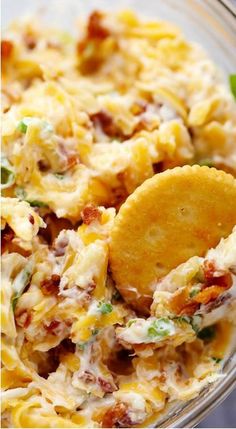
212 23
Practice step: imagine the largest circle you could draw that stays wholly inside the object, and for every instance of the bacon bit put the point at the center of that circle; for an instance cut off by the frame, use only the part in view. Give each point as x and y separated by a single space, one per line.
87 377
210 271
6 49
119 195
210 293
103 120
189 309
31 219
7 237
95 28
43 165
90 214
158 167
117 417
106 386
51 286
30 41
72 161
162 378
91 286
23 319
54 327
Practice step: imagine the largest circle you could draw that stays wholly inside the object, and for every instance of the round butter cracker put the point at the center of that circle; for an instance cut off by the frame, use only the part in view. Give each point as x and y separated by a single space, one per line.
171 217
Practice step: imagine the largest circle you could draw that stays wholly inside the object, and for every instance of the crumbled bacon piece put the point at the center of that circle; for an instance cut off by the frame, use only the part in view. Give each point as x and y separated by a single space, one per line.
95 27
43 165
23 319
54 327
104 121
90 214
117 416
189 309
7 236
31 219
51 286
72 160
106 386
208 294
88 377
30 41
6 49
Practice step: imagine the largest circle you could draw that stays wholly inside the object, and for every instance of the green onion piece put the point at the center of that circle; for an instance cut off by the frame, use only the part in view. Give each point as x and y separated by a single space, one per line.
160 328
194 292
59 176
22 127
184 319
7 173
105 307
36 203
131 322
207 162
20 193
81 346
95 331
217 360
207 334
232 83
20 283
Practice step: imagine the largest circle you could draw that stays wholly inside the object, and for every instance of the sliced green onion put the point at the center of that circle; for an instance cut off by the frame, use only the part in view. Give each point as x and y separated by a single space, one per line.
194 291
105 307
160 328
20 283
20 193
95 331
217 360
207 162
232 83
36 203
7 173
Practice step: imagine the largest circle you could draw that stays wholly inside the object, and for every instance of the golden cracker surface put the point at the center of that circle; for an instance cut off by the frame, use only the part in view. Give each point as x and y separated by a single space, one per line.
171 217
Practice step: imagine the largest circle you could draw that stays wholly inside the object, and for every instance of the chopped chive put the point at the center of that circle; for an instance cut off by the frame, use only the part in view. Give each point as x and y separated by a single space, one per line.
81 346
105 307
7 177
130 322
95 331
59 176
36 203
207 162
22 127
160 328
20 193
217 360
232 83
194 292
